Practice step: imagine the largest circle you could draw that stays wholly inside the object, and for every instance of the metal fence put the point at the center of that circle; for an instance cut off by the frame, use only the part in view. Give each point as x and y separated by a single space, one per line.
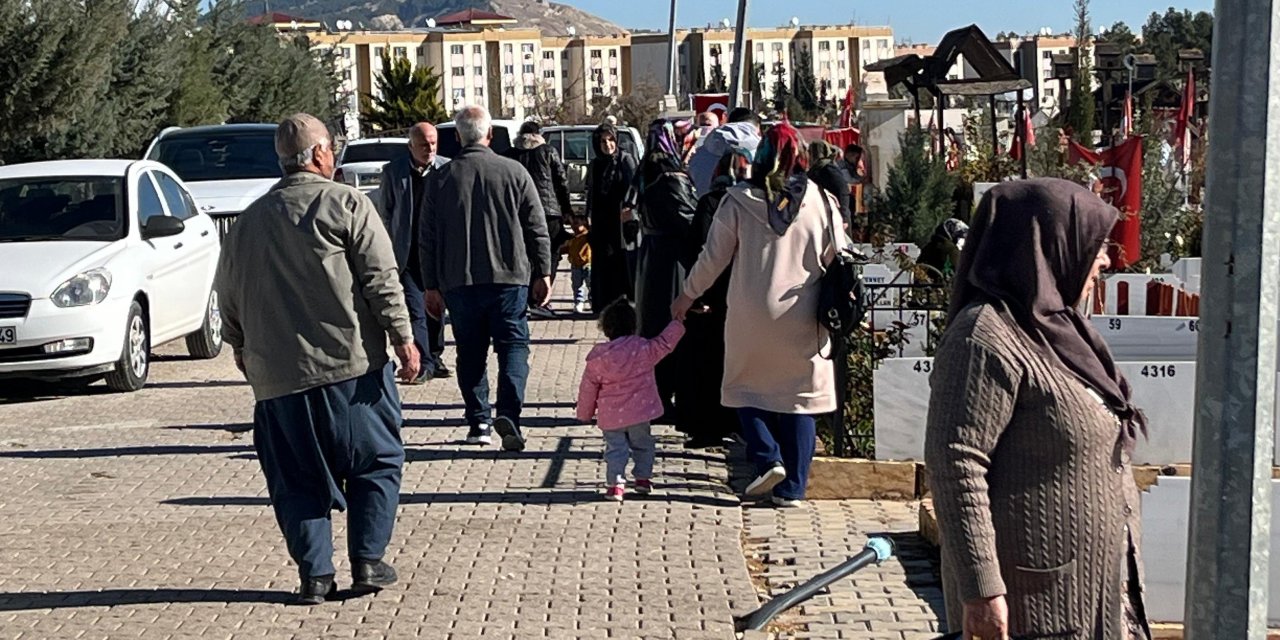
896 310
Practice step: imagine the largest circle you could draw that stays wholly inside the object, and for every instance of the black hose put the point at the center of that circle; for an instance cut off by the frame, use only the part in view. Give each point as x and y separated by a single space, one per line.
877 551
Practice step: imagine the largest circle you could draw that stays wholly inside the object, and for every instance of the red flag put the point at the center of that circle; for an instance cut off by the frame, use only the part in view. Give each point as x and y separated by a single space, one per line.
1182 126
846 114
1024 134
717 103
1120 169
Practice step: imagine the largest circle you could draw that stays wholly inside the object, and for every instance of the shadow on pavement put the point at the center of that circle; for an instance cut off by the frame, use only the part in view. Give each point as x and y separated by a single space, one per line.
410 406
527 422
230 427
920 561
482 497
193 384
24 601
158 450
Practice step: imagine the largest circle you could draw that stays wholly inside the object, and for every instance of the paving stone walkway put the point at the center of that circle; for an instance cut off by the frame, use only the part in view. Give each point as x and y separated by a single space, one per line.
145 516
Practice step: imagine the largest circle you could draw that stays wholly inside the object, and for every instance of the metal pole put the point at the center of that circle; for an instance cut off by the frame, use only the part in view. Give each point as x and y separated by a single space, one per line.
672 77
1229 544
1025 122
739 55
995 132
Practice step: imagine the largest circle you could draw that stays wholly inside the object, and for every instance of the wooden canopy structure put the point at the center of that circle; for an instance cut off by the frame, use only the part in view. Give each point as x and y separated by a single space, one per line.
996 76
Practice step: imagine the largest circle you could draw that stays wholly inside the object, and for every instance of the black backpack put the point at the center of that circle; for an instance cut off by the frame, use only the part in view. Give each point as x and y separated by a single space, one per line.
842 301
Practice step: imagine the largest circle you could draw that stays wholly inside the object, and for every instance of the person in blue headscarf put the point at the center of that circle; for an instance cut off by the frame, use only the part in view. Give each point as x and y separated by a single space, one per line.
665 204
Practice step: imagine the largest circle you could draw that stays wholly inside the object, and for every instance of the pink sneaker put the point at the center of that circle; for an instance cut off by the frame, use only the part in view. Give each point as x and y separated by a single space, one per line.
644 487
615 493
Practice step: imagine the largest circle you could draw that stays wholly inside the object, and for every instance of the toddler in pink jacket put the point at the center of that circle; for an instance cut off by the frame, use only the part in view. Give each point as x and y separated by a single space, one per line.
619 390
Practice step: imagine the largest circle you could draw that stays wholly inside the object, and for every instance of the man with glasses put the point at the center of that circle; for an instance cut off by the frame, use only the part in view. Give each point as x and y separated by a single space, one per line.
310 293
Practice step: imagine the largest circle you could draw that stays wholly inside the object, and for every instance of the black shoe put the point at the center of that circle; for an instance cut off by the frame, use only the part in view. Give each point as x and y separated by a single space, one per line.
479 435
316 589
442 371
512 440
371 575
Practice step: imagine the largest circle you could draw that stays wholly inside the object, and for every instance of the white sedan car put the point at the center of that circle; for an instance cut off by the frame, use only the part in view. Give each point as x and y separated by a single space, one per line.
103 259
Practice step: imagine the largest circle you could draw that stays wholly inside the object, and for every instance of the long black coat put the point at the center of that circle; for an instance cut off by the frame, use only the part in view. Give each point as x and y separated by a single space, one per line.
607 183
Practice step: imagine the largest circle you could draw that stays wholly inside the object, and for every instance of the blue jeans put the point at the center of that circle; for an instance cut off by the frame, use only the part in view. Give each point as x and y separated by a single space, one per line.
491 314
428 333
333 447
785 438
581 284
633 443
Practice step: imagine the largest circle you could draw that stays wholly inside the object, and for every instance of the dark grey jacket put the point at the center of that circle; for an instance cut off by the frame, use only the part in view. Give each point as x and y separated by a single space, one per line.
483 224
395 196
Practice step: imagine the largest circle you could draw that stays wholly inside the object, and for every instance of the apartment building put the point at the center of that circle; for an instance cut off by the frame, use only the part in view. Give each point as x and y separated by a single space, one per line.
1032 57
837 55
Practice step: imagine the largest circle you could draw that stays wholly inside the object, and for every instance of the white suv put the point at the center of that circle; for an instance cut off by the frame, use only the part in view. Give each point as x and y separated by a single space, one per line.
361 162
103 259
227 166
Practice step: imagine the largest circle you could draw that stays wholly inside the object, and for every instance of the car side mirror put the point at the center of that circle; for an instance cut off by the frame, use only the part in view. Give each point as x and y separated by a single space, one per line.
162 227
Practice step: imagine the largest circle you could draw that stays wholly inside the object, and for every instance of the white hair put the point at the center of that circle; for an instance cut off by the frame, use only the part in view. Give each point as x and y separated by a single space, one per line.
300 160
473 123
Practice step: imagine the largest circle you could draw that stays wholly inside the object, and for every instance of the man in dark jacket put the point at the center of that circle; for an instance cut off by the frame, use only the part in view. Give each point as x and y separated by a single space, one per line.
404 183
484 240
544 166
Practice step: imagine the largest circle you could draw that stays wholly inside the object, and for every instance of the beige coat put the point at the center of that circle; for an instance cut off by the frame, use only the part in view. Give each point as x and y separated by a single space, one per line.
773 342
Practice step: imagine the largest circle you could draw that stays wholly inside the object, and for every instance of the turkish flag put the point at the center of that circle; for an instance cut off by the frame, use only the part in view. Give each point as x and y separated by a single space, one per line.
1120 169
717 103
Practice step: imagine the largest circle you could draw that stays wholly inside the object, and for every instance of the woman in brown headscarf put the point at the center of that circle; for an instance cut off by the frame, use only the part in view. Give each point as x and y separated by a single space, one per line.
1031 429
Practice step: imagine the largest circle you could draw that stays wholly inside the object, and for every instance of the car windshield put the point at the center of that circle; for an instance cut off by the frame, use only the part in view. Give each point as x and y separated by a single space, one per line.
73 208
575 144
449 146
219 155
374 152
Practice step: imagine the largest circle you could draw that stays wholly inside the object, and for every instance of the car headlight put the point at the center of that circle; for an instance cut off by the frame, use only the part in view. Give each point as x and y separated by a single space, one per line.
83 289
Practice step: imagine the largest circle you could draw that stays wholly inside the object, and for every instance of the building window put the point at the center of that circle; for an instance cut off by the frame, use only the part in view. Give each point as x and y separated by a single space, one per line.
564 54
613 71
402 52
528 68
509 48
839 45
479 91
346 75
613 53
459 72
866 46
478 70
597 91
530 90
548 55
477 49
1048 92
456 49
549 74
777 46
884 44
377 52
844 84
459 95
509 90
1047 55
552 92
760 47
824 46
508 69
595 53
613 91
346 53
526 48
1048 74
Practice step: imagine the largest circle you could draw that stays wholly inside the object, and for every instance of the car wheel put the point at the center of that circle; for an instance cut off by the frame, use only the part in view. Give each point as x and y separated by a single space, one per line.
206 343
131 371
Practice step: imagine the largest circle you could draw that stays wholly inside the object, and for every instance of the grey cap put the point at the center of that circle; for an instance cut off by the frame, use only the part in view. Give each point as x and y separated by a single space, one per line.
299 132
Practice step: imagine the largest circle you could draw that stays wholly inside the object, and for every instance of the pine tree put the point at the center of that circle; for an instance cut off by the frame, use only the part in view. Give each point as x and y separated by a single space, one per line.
198 99
780 90
918 190
406 96
1082 106
805 84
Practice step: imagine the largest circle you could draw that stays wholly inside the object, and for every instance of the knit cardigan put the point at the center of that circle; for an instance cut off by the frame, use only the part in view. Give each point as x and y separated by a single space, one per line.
1032 489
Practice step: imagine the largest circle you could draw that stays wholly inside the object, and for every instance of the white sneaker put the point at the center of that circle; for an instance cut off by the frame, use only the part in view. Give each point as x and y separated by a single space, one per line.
580 308
785 503
480 435
766 482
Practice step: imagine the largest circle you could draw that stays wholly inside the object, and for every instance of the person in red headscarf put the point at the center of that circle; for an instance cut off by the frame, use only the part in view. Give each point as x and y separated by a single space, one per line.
778 231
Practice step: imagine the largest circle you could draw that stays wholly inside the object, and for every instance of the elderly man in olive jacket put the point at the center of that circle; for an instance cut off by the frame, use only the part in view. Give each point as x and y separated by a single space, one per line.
484 240
310 293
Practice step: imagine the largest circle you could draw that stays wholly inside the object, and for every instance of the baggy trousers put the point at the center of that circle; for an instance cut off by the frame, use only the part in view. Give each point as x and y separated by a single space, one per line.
785 438
333 447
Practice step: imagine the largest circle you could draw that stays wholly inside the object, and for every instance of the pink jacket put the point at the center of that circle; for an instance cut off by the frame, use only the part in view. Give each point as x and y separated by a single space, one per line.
618 383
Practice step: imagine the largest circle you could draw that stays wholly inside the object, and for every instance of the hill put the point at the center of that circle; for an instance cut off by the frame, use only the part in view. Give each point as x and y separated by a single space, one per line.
550 17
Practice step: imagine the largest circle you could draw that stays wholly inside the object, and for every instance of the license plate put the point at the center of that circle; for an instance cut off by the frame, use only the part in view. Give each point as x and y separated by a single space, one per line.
8 335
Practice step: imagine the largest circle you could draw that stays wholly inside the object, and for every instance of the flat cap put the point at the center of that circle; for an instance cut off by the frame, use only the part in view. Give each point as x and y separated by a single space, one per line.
299 132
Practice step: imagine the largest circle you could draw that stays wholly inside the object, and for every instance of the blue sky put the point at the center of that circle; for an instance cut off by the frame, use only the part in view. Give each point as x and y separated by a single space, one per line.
920 21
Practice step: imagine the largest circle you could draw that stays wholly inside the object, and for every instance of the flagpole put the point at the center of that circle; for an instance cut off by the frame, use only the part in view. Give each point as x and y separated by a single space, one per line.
739 55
